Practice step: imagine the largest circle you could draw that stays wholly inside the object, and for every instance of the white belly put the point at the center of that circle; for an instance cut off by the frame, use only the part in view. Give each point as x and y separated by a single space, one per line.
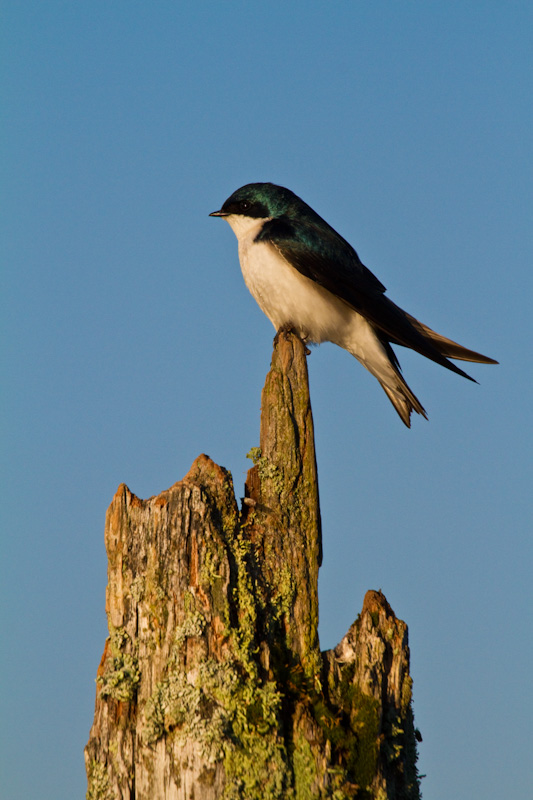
289 298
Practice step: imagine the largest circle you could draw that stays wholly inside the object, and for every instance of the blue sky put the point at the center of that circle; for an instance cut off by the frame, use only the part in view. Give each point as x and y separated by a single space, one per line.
131 344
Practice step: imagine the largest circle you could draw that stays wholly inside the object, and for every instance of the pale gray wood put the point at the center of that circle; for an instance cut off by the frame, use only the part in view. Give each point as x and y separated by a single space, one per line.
212 683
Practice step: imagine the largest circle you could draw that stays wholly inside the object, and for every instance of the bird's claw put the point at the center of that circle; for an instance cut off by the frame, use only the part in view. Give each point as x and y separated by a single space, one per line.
284 330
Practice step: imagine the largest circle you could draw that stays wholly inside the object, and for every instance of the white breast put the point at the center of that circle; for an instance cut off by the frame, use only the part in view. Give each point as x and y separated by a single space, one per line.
289 298
283 294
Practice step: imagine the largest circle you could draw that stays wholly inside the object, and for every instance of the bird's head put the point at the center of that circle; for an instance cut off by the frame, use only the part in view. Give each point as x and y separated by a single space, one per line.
258 201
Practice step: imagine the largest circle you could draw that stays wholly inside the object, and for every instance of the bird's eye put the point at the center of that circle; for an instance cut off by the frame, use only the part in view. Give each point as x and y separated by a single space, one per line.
245 205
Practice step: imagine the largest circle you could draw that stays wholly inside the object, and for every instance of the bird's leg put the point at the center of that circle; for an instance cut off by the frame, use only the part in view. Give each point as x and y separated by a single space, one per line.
287 328
283 330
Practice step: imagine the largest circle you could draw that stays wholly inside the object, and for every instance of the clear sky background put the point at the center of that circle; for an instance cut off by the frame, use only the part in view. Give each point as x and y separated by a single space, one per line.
131 344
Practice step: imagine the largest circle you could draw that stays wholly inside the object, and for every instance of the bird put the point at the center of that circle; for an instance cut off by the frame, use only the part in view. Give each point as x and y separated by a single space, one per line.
307 279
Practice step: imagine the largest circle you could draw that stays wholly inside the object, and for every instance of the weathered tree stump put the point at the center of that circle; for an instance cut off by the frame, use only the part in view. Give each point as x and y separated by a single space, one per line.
212 683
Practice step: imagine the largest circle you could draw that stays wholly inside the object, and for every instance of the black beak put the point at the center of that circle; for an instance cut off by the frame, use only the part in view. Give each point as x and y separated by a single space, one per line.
218 214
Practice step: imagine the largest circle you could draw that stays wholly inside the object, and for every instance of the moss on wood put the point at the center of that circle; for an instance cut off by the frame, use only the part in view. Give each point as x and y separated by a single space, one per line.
212 684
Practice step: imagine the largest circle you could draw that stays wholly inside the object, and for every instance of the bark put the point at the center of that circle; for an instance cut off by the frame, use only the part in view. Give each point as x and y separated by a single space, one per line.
212 683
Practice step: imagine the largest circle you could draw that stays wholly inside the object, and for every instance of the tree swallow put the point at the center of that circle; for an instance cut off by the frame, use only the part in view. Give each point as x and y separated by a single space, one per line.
307 278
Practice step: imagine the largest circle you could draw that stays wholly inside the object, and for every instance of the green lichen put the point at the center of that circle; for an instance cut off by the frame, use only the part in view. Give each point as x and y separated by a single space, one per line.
214 575
245 634
267 470
255 757
399 749
261 723
189 602
193 625
184 704
394 742
121 673
207 776
351 724
283 593
212 559
273 474
254 454
137 588
304 769
234 719
157 603
226 707
98 787
407 693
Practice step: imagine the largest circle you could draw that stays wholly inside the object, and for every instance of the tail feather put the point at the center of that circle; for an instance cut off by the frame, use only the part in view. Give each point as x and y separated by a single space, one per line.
372 347
397 390
447 347
404 401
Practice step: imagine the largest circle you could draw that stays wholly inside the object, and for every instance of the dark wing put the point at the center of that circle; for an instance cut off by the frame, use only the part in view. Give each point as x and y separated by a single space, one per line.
317 251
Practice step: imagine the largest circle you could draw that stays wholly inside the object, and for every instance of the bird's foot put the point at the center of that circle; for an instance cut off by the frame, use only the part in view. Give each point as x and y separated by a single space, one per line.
284 331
